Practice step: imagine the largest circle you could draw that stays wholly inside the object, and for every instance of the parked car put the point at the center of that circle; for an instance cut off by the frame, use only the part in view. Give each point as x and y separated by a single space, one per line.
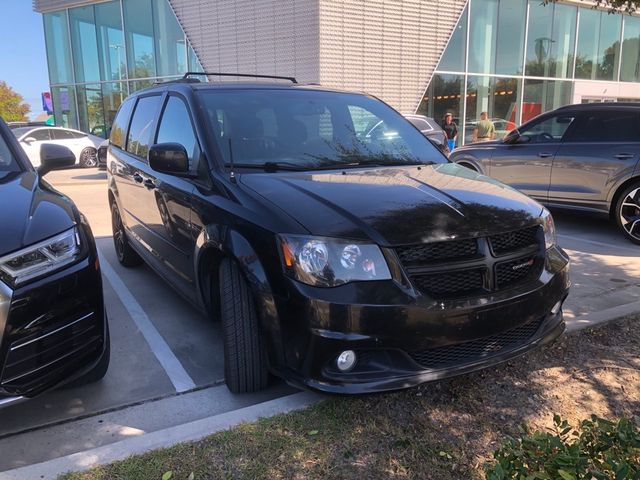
430 129
83 146
53 327
581 157
102 155
336 258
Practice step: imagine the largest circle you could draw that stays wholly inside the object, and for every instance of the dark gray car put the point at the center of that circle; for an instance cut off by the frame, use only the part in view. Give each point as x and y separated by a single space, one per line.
582 157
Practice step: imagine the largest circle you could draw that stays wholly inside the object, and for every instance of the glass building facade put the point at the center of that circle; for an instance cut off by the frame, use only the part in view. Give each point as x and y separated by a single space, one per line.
99 53
516 59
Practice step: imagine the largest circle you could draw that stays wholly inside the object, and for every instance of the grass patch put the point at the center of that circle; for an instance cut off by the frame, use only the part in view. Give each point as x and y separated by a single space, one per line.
443 430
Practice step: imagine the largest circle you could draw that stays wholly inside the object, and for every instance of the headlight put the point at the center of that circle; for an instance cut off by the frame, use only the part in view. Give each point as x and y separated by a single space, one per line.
41 258
328 262
549 229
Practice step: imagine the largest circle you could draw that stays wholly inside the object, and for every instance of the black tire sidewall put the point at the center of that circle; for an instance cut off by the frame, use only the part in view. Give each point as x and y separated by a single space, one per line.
618 208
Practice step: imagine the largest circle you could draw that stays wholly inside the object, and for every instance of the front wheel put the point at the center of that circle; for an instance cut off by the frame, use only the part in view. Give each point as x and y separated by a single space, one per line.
89 158
245 359
628 212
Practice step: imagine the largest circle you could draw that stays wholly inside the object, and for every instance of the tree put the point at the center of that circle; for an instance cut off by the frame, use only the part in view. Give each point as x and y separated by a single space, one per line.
12 106
614 6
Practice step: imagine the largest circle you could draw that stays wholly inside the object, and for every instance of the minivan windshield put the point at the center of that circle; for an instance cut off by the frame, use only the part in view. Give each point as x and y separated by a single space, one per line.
307 129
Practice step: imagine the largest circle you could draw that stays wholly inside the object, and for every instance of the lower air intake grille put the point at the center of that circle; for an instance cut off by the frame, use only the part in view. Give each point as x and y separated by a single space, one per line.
476 350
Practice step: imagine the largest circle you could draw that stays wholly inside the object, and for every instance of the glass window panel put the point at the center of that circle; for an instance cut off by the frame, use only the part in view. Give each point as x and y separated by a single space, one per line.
194 63
499 97
630 68
551 40
64 106
598 51
607 126
542 96
510 38
140 131
40 134
176 127
482 35
113 95
90 107
121 123
444 95
138 23
453 58
56 31
170 43
84 44
110 41
548 130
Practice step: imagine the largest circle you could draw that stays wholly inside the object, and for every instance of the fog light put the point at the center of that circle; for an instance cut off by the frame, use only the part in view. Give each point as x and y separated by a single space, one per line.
556 308
346 360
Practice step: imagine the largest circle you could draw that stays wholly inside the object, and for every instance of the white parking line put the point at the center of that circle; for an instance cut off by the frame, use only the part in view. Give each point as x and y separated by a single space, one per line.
600 244
172 366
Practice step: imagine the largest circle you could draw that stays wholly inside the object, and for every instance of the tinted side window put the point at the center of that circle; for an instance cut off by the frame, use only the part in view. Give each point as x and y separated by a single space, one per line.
140 132
62 135
420 123
39 135
120 124
608 126
176 127
548 130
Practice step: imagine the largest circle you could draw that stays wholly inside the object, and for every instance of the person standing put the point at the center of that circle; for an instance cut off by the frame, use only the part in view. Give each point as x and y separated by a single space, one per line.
451 130
485 131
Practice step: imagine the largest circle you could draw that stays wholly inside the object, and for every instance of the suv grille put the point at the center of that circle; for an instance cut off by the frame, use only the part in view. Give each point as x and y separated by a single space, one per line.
512 241
483 264
476 350
453 250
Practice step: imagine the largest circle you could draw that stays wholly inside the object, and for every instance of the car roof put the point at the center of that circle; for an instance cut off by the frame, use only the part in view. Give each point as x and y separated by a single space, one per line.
599 106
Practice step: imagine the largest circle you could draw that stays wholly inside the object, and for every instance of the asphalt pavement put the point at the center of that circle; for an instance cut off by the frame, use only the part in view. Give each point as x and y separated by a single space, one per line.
167 361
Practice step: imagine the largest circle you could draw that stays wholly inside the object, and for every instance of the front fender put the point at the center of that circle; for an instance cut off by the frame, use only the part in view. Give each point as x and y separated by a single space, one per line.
215 243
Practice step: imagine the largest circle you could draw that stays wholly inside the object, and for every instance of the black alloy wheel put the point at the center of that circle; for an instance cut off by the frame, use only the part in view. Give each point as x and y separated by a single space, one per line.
127 256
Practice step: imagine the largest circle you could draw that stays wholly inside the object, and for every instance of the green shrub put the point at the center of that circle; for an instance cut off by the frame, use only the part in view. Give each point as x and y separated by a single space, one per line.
597 449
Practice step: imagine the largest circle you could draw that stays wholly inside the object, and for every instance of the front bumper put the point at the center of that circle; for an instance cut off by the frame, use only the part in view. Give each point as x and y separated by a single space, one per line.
403 340
52 331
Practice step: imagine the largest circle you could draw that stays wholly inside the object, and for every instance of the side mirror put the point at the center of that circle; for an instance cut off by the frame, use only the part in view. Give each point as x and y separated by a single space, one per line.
512 137
29 140
169 158
54 157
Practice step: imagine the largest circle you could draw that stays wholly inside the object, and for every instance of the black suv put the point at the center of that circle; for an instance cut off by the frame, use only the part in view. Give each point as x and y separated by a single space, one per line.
583 157
337 259
53 327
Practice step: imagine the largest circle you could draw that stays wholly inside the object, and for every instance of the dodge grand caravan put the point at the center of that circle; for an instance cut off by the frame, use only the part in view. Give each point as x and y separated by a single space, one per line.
337 259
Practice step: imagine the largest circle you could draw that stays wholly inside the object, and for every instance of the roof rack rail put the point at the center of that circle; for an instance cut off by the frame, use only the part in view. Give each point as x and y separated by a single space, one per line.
248 75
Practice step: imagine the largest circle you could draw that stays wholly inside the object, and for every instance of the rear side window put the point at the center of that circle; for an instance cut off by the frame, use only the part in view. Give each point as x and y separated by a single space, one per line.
140 131
420 123
176 127
610 126
120 124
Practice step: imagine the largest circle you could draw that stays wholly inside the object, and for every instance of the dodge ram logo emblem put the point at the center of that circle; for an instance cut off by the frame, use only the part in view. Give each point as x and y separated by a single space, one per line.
522 265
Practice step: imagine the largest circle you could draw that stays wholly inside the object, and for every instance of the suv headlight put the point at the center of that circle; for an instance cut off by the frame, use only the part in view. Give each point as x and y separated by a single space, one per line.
36 260
328 262
549 228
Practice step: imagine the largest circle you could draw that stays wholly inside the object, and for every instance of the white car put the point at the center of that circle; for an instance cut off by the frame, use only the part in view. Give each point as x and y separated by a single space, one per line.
83 145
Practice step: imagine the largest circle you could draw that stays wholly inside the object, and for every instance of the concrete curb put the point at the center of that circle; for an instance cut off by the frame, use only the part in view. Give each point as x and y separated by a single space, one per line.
187 432
602 316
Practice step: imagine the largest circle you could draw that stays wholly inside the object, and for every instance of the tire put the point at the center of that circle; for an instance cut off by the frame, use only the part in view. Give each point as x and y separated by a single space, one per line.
127 256
88 158
245 359
627 212
101 368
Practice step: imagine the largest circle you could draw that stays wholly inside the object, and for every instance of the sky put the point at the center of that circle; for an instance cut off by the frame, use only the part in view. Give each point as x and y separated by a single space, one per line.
23 61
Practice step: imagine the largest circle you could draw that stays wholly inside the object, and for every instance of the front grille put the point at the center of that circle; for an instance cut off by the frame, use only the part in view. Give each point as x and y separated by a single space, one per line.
514 271
445 284
512 241
476 350
29 361
429 252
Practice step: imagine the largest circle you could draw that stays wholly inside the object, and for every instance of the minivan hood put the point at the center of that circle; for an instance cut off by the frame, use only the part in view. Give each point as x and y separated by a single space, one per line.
30 211
397 205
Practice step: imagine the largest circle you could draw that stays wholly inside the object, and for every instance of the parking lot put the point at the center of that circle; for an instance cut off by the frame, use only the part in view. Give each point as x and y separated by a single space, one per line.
167 361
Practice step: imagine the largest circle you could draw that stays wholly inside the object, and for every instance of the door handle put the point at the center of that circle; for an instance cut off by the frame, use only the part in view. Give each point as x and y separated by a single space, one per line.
545 154
149 184
624 156
138 178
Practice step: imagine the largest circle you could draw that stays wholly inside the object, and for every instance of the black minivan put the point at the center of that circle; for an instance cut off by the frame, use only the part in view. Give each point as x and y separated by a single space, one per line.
337 259
53 326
